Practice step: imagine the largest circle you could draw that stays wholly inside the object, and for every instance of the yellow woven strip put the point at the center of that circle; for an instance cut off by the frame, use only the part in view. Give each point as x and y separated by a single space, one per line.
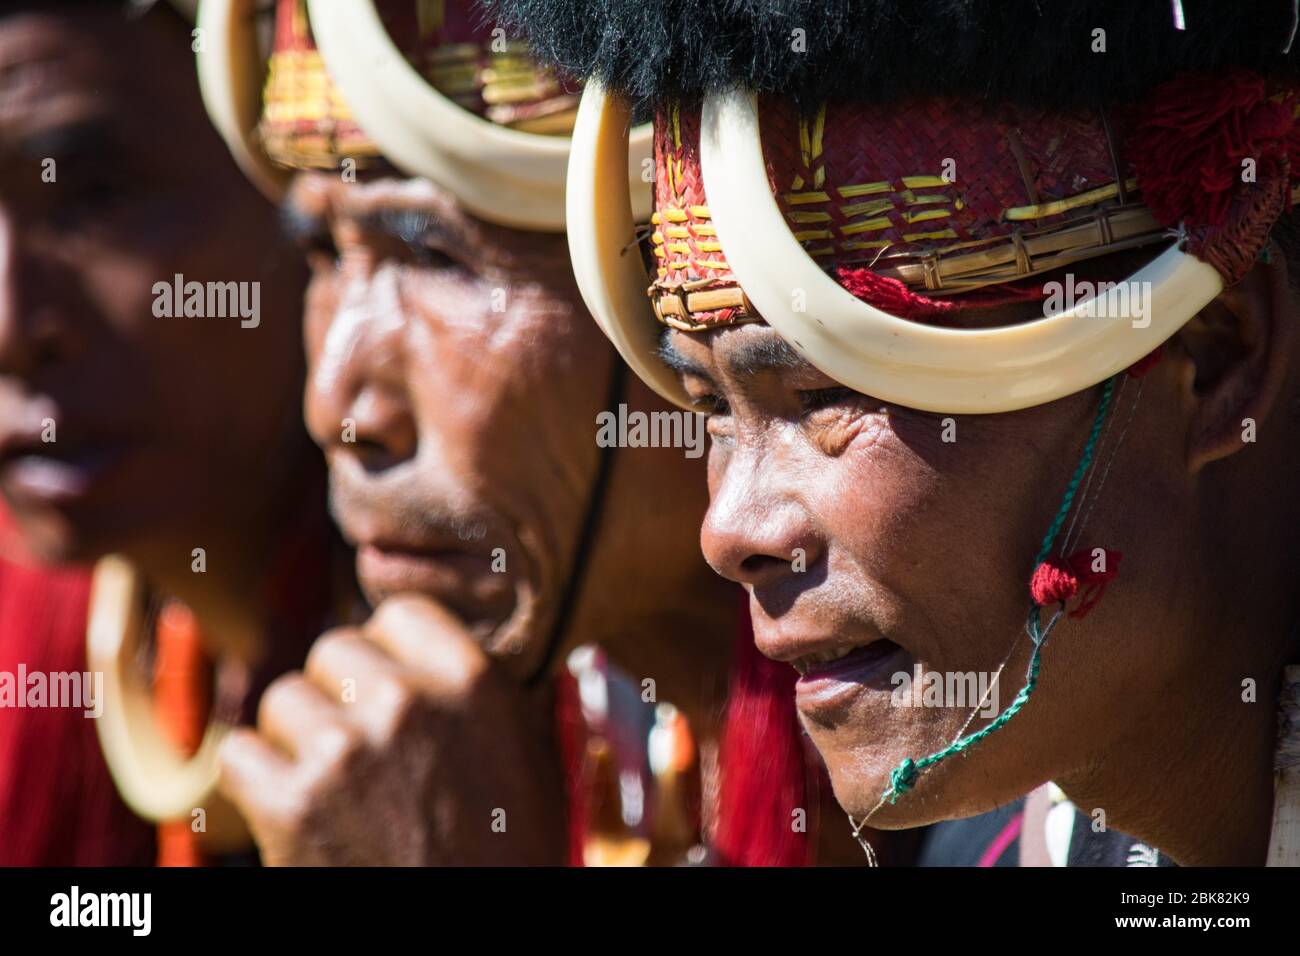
659 251
708 246
911 217
657 238
803 199
711 264
807 234
681 248
922 199
873 244
919 182
823 251
656 219
810 217
863 189
675 215
1042 210
867 225
663 273
918 236
677 232
819 133
797 183
866 208
705 231
700 212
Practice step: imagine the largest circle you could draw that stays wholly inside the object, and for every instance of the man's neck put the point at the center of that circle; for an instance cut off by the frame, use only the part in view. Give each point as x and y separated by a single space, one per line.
221 571
1208 802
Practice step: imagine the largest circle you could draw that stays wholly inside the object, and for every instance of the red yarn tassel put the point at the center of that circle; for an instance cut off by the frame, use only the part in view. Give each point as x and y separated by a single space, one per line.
764 765
1209 124
1058 580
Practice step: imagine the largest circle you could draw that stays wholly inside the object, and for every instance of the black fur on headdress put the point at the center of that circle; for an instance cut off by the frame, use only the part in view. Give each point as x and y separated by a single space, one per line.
1022 50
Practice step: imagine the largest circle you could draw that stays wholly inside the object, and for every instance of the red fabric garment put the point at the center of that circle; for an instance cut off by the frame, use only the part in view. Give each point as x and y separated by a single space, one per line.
58 806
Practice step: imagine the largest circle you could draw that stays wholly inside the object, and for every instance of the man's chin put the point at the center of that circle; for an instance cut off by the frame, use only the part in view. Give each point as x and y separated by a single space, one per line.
52 540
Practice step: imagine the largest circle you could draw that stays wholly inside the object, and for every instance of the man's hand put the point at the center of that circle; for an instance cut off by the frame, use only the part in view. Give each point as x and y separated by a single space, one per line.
401 744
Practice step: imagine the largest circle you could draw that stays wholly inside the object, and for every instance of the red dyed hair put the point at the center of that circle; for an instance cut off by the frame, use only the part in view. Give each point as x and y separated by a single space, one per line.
766 775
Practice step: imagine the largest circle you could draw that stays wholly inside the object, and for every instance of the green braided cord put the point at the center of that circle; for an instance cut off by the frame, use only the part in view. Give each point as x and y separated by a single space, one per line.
1084 461
904 776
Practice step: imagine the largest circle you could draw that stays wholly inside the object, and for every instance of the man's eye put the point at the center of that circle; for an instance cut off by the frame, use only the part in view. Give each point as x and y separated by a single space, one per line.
89 196
817 398
431 256
711 405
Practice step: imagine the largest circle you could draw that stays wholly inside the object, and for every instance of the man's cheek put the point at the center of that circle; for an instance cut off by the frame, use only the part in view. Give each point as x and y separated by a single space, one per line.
719 456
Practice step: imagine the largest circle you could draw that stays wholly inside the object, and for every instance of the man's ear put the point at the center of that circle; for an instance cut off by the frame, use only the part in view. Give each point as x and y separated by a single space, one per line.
1239 350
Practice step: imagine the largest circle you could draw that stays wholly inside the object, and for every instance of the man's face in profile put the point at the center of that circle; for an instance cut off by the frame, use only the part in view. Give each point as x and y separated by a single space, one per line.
116 423
454 382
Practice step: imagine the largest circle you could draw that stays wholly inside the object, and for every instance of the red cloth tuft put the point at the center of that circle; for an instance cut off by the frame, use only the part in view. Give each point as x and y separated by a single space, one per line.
1058 580
893 296
1190 139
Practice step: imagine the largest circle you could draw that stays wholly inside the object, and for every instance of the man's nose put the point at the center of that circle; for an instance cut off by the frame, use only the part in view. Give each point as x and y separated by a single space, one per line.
756 533
35 321
358 400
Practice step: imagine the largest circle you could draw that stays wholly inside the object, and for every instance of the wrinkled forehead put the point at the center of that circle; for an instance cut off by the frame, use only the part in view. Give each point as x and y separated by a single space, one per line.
411 209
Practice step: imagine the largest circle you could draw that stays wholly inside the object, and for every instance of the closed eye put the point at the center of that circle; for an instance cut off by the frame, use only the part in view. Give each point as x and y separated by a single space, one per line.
817 398
711 405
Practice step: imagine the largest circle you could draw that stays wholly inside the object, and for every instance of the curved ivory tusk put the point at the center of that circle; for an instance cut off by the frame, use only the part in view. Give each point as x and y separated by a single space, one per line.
154 779
606 261
908 363
230 79
505 176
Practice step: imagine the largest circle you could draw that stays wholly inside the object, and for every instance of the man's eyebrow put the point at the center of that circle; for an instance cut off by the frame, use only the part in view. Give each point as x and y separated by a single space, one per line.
769 353
675 360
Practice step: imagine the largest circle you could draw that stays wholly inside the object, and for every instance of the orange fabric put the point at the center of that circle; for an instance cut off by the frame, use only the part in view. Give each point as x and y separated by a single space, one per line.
182 700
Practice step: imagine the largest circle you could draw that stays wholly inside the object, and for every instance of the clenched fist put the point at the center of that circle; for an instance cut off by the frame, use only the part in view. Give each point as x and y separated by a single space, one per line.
402 743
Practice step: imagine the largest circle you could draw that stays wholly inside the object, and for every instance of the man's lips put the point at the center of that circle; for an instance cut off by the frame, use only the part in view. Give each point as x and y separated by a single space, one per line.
826 688
462 579
57 475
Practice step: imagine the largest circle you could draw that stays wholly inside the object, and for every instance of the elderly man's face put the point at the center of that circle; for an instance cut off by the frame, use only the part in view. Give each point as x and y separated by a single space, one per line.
859 531
455 380
116 422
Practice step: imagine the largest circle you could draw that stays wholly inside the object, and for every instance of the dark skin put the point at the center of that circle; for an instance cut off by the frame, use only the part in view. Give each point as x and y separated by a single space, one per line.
474 431
171 433
929 545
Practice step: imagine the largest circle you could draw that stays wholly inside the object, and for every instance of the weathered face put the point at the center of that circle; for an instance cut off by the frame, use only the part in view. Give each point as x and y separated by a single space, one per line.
115 421
860 531
454 383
